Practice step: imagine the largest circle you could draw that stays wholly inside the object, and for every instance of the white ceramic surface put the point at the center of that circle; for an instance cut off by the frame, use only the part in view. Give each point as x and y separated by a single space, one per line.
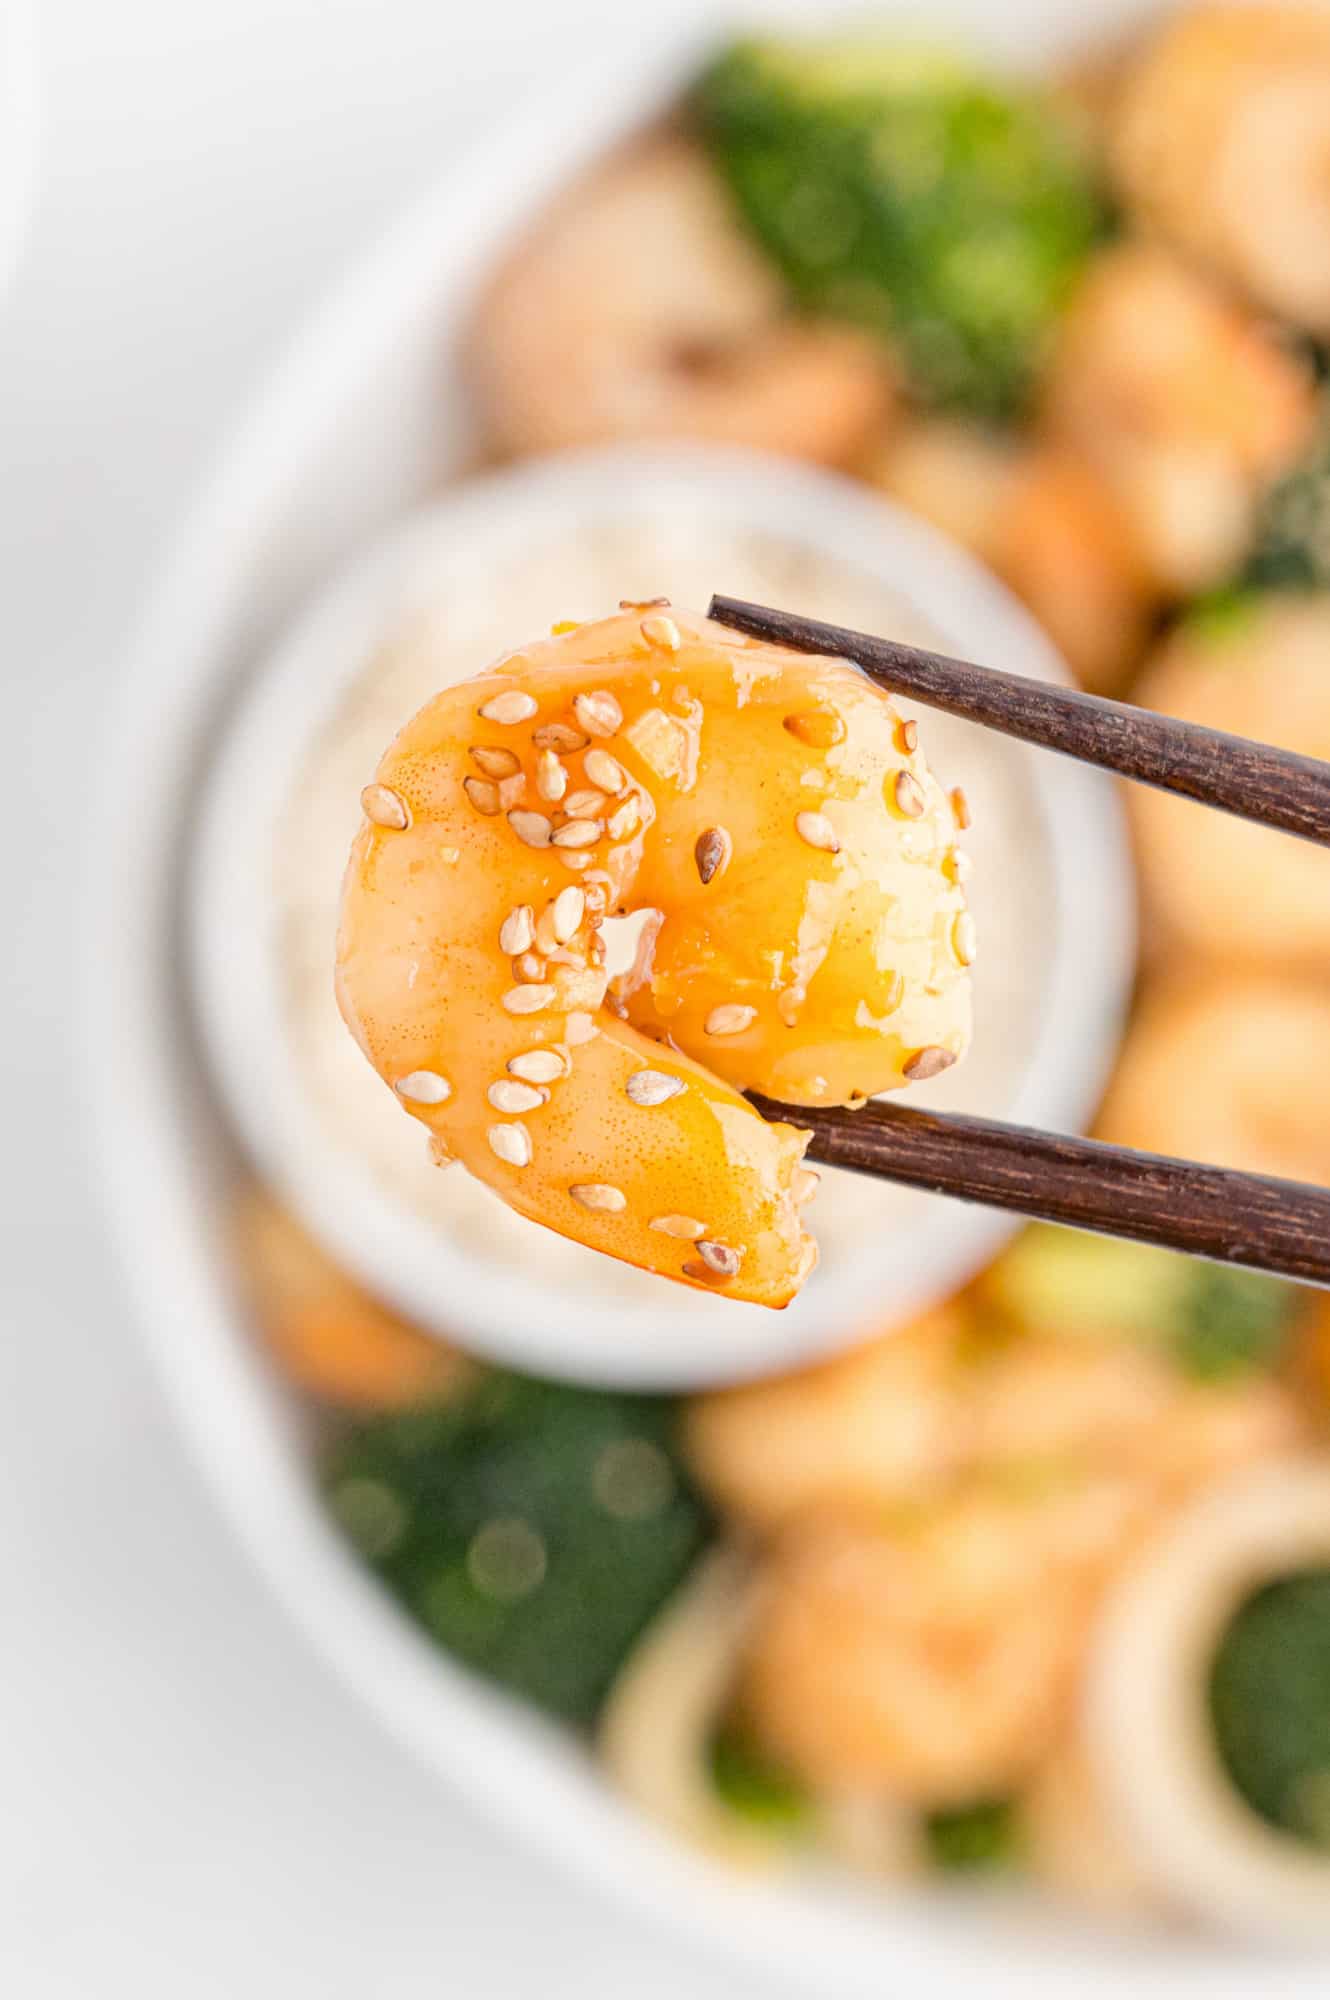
348 434
19 126
1064 972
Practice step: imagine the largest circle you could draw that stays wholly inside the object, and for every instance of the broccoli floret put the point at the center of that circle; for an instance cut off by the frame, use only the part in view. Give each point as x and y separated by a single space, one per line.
533 1529
897 188
1213 1322
1270 1704
966 1839
1292 545
751 1783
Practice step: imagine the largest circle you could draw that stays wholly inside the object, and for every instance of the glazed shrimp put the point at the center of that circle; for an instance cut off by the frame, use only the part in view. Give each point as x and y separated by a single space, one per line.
807 934
640 310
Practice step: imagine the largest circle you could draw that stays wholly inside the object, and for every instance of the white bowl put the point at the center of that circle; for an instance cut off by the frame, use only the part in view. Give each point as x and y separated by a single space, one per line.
19 124
351 431
1050 988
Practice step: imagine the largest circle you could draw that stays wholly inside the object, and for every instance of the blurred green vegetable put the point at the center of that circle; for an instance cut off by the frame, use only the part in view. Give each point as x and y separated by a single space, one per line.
1215 1323
897 188
532 1529
961 1839
1292 546
1270 1704
754 1785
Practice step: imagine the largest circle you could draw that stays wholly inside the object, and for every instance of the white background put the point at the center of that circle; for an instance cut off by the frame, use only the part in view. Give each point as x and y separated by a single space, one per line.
189 1807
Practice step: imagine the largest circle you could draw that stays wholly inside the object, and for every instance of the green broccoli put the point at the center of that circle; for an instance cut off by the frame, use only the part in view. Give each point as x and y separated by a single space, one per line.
1292 546
897 188
1270 1704
752 1784
533 1529
966 1839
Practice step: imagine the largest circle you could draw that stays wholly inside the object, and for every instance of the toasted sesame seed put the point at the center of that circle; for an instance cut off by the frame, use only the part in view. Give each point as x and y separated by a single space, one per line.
909 798
584 804
816 830
644 604
579 1028
558 736
599 1195
385 807
662 632
513 705
703 1273
539 1065
532 829
567 912
718 1257
909 737
512 1144
623 821
483 795
506 1094
604 771
804 1184
528 999
960 806
653 1086
963 938
685 1227
515 932
577 833
598 712
808 1257
551 777
819 728
959 865
712 852
424 1086
529 967
495 763
730 1019
574 858
926 1062
512 790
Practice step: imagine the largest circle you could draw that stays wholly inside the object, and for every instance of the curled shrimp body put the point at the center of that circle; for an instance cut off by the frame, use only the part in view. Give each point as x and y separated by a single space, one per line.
806 934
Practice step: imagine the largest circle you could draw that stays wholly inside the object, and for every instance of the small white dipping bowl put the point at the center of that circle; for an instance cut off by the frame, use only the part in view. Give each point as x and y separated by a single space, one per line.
489 566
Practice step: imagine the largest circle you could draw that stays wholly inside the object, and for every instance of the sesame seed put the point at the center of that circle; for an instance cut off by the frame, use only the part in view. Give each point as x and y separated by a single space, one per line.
808 1257
493 762
731 1019
529 967
816 830
804 1185
558 736
506 1094
719 1257
528 999
512 790
579 1028
963 938
584 804
909 798
662 632
926 1062
959 865
510 706
539 1065
567 911
703 1273
532 829
385 807
819 728
909 737
597 895
683 1226
515 932
960 806
424 1086
712 853
577 833
598 712
575 859
653 1086
599 1195
551 778
483 795
511 1143
623 821
604 771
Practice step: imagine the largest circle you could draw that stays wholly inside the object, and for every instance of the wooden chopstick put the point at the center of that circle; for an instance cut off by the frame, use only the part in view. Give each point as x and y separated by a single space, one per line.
1253 780
1250 1220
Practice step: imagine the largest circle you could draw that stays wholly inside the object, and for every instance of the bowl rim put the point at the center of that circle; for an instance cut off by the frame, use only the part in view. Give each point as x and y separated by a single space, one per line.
140 1101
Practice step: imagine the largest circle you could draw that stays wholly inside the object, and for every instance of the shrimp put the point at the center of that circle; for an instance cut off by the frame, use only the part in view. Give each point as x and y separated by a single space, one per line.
640 310
1218 887
807 934
1185 405
1222 143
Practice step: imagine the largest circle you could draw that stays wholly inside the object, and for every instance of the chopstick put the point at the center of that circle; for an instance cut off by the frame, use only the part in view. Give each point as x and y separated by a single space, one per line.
1274 787
1250 1220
